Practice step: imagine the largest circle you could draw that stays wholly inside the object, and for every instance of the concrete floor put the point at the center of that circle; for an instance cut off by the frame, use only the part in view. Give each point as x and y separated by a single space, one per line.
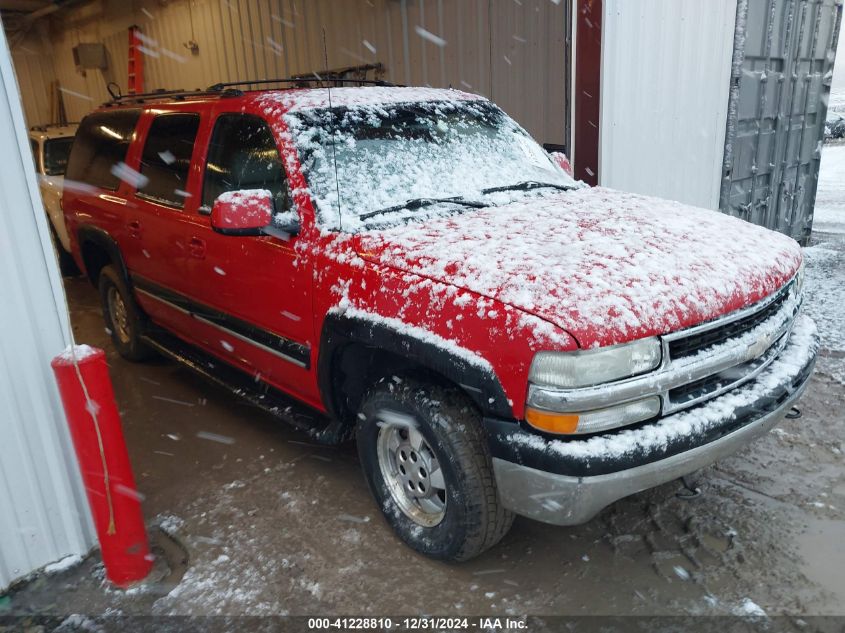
268 523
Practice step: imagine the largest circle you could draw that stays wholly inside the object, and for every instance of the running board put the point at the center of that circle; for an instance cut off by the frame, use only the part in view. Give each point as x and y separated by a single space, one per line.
317 425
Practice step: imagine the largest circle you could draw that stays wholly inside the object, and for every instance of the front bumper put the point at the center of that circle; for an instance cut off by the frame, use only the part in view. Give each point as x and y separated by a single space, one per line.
567 482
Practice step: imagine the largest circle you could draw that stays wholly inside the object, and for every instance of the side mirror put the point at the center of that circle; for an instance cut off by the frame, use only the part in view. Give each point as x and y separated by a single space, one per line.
286 223
245 212
561 160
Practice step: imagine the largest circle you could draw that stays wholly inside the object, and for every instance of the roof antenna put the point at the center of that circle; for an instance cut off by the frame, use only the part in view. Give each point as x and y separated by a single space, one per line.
331 115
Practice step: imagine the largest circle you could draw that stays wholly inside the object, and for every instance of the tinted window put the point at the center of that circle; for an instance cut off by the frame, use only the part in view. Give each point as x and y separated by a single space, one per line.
101 143
243 155
56 152
166 160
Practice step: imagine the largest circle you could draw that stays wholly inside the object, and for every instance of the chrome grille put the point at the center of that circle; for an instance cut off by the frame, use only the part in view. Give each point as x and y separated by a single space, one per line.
720 381
694 343
698 347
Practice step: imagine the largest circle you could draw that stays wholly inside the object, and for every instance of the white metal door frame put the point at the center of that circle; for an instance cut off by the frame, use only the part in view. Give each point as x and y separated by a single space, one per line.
44 513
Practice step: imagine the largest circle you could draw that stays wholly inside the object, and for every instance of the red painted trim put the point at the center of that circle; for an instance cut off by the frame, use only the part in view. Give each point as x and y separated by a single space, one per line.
135 77
587 89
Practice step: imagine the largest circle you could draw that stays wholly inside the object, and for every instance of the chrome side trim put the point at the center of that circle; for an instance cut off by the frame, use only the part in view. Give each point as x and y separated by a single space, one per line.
243 338
232 333
169 304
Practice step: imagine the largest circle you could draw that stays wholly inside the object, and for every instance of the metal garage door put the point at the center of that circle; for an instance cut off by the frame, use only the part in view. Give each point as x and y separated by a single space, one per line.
782 69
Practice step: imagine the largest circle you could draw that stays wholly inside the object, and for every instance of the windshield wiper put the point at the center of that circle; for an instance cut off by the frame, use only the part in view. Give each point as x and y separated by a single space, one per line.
419 203
526 185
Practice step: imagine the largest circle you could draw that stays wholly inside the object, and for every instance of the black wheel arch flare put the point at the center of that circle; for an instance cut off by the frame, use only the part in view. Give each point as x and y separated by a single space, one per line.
342 333
99 238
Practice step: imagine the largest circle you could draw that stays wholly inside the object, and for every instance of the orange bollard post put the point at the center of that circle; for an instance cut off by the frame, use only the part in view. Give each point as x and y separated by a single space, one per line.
94 423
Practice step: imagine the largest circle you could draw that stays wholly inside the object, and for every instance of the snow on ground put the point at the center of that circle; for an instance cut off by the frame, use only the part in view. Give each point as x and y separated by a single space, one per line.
830 199
824 296
750 608
61 565
836 102
824 289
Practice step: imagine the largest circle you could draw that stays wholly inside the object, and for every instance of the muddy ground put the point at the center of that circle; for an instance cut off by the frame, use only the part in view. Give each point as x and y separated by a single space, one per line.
271 524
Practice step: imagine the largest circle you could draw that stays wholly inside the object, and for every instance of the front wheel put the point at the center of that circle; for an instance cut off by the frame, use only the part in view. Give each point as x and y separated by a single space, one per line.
427 464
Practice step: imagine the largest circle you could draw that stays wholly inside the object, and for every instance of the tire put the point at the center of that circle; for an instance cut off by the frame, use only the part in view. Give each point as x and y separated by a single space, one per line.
67 266
124 320
438 429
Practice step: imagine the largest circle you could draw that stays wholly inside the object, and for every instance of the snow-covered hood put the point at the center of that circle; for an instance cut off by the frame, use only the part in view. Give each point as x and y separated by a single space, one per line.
606 266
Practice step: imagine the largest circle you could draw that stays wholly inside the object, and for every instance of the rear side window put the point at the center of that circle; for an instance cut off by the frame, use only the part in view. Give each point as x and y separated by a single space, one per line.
243 155
101 143
166 160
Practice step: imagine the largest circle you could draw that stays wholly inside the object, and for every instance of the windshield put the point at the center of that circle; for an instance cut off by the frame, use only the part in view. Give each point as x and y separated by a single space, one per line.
390 155
56 152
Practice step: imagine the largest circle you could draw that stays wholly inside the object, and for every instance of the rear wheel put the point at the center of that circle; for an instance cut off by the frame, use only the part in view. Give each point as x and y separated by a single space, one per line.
427 464
124 320
67 266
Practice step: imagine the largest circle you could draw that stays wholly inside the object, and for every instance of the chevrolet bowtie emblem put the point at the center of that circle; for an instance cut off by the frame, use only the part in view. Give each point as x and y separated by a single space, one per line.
758 347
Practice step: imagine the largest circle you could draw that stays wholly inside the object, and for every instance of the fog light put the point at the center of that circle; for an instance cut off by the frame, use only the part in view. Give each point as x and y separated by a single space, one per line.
593 421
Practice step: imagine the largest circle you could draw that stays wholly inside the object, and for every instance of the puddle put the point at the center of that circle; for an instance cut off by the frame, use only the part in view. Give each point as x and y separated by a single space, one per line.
821 547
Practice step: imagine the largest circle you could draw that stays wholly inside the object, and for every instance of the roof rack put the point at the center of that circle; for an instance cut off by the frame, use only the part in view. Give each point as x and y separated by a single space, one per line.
300 82
336 77
355 75
142 97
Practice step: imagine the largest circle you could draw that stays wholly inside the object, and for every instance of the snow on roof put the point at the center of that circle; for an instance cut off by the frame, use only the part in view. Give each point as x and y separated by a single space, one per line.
310 98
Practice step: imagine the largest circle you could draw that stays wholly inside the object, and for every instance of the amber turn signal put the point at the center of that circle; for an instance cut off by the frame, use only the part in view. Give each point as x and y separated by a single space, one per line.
552 422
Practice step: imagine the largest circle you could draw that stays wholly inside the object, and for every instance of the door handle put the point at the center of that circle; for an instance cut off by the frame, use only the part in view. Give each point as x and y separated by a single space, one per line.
196 247
135 229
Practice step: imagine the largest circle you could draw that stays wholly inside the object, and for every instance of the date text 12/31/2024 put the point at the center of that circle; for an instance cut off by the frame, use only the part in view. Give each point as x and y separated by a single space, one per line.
418 624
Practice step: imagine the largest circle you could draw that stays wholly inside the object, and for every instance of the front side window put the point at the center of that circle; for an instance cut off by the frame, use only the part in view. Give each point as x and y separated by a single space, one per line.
100 146
359 160
56 153
243 155
166 160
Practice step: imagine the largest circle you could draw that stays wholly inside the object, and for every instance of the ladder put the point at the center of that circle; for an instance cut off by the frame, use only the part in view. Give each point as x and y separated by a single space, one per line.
136 62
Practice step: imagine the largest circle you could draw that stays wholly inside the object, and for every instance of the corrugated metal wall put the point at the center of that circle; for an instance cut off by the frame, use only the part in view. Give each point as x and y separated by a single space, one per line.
512 52
783 65
34 72
43 511
665 79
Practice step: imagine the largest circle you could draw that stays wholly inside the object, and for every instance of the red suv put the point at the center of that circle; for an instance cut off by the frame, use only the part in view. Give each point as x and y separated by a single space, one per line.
408 267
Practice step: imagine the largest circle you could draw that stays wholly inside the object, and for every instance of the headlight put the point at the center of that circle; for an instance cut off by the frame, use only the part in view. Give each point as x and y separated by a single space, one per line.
586 368
799 279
